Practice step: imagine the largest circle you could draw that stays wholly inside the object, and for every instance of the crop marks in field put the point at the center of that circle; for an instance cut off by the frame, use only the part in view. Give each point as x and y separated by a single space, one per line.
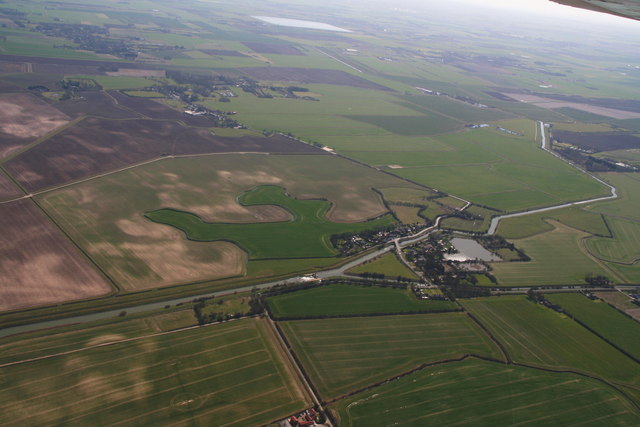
228 372
448 394
624 247
341 355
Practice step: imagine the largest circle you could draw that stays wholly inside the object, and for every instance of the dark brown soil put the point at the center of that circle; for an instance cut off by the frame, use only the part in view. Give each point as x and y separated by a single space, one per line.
221 52
95 104
500 96
155 110
96 146
596 141
274 48
39 264
311 75
8 189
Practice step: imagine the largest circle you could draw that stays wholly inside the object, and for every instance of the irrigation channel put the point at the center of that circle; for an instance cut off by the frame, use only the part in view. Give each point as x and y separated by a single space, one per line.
396 244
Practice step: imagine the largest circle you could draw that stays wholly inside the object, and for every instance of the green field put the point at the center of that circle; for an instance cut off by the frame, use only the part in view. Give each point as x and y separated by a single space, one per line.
388 264
341 355
557 258
528 225
449 394
624 247
307 235
603 319
538 336
229 372
347 299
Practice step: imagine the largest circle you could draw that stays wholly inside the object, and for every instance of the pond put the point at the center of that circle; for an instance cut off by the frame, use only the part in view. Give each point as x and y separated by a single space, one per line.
298 23
469 250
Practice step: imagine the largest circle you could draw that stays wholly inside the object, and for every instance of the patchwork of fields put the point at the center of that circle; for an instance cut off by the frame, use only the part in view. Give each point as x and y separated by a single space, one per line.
346 354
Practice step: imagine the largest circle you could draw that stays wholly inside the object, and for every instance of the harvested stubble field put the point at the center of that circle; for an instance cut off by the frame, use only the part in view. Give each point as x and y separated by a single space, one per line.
96 146
603 319
229 374
311 75
535 335
341 355
305 234
343 299
39 265
557 258
448 395
95 104
25 118
105 215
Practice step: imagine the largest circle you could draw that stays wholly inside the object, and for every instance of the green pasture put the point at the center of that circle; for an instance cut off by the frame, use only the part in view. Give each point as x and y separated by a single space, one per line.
603 319
455 109
535 335
448 394
407 214
231 371
630 157
528 225
341 355
473 225
426 124
557 258
351 299
629 273
388 264
306 235
627 205
623 247
583 116
118 82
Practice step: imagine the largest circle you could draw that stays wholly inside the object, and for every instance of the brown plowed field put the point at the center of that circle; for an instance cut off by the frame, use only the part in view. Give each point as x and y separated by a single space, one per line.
598 141
24 118
96 146
39 265
155 110
275 48
8 189
95 104
310 76
222 52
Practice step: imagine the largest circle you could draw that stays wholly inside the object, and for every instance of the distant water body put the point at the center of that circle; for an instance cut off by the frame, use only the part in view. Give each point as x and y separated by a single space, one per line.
298 23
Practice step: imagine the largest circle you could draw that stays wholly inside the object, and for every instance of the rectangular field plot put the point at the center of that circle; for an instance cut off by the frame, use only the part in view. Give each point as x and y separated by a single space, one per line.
38 264
228 374
557 258
603 319
342 355
342 299
474 392
539 336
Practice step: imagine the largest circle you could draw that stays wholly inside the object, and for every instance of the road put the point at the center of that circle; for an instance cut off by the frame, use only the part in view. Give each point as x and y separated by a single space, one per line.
614 192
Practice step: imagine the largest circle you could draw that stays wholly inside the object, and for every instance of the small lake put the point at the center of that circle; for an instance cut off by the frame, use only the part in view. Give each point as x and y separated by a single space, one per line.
469 250
298 23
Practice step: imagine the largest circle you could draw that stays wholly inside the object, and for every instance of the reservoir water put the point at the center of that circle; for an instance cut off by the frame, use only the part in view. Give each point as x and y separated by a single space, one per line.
469 250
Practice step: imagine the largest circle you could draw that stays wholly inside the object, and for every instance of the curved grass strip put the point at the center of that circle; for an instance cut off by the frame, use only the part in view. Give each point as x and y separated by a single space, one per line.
306 235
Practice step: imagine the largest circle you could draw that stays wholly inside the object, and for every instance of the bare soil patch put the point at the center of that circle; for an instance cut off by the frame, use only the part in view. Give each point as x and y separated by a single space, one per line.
24 118
594 109
598 141
274 48
222 52
156 110
95 104
310 76
96 146
39 265
8 189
